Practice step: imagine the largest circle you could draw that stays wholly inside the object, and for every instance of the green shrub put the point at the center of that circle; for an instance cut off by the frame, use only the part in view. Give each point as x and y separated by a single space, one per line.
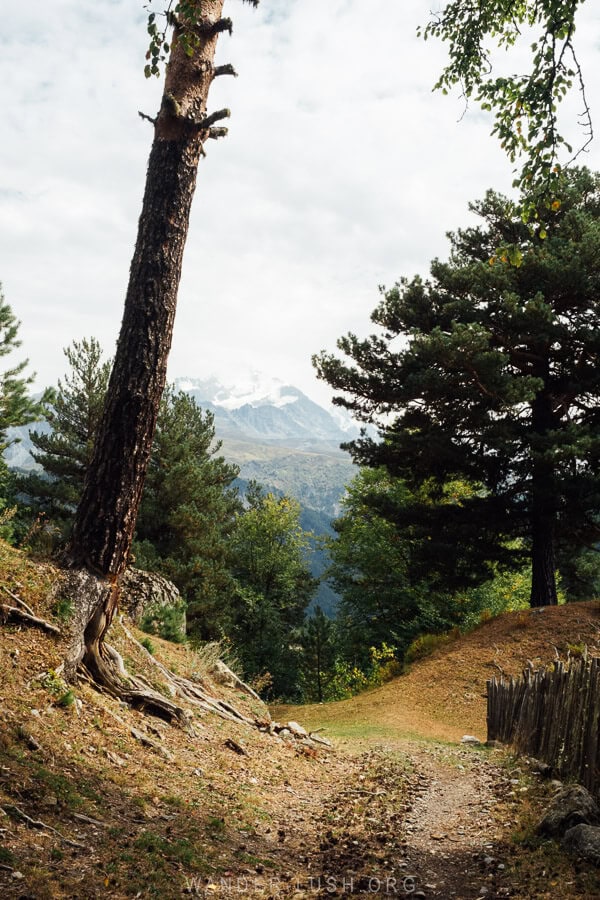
147 643
167 622
426 644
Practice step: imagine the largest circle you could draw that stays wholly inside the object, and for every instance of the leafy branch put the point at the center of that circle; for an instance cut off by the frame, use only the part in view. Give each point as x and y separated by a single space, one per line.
525 106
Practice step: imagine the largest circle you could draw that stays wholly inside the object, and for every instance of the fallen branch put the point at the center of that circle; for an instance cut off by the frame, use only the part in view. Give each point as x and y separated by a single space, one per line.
145 741
89 821
18 601
15 813
12 614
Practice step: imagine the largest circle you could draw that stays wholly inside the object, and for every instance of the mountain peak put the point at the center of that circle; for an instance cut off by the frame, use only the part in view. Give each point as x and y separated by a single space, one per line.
262 407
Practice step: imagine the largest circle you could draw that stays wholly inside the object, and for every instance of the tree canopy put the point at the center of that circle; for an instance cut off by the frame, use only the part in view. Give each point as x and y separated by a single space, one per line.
188 512
488 374
73 415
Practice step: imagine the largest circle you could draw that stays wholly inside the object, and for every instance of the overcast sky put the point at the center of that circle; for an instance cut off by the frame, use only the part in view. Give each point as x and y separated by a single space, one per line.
342 171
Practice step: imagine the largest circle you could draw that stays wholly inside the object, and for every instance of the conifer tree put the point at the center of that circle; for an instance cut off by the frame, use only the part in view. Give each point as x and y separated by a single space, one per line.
17 407
73 415
488 374
188 512
317 640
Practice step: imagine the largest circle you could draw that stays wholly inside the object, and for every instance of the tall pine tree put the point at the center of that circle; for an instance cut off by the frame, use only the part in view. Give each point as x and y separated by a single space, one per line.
488 374
188 512
17 407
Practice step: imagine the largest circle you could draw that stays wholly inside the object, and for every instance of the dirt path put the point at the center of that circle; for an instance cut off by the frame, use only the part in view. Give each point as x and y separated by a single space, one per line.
457 825
412 818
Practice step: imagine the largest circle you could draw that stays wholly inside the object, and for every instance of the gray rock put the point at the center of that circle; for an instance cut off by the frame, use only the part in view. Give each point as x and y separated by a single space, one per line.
297 730
469 739
570 806
584 841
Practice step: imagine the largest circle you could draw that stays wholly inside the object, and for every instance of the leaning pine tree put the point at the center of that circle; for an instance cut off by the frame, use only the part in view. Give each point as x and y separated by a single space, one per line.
489 374
106 515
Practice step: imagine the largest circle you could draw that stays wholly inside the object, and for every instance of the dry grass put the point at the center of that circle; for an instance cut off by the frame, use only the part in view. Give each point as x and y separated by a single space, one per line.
443 696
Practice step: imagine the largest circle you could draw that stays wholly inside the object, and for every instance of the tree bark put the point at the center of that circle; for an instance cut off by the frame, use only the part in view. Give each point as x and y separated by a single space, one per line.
106 515
543 509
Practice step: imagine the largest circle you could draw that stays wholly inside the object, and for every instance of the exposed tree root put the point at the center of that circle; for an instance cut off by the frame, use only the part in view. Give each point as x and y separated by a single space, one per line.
95 601
15 813
191 692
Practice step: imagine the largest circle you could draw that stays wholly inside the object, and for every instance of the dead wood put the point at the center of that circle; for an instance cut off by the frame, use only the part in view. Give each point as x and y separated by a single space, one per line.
20 617
18 601
18 815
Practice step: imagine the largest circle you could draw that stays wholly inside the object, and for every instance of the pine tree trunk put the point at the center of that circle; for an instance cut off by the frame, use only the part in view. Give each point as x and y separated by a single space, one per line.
106 515
543 510
543 563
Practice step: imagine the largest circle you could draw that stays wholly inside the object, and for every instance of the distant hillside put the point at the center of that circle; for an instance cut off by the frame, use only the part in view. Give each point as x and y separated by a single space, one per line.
277 436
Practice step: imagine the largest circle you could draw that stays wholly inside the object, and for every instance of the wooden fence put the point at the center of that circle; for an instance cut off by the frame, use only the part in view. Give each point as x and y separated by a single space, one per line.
553 715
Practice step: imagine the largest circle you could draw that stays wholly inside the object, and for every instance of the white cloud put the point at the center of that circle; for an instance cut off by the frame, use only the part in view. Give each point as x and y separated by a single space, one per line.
341 171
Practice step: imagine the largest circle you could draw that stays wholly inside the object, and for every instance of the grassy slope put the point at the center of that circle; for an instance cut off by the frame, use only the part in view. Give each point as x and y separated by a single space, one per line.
192 808
443 695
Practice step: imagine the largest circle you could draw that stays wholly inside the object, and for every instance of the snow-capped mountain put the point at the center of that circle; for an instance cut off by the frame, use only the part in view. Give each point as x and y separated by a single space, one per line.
258 407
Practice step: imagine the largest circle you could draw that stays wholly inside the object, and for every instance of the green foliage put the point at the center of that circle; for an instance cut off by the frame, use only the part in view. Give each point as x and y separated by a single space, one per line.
63 609
505 592
486 375
147 644
187 17
188 506
269 559
16 408
387 594
346 679
525 106
317 642
73 415
188 512
166 621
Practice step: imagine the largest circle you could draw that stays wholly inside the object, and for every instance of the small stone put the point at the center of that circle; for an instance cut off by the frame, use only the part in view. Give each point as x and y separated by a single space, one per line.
36 713
297 730
469 739
18 876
